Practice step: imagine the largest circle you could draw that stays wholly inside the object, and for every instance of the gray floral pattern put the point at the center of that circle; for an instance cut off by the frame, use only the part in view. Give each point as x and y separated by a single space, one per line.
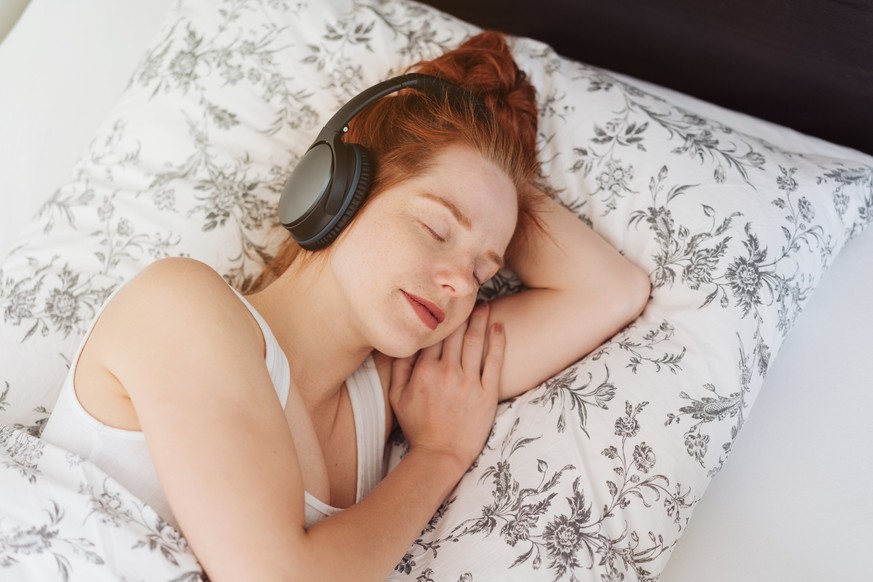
52 510
591 476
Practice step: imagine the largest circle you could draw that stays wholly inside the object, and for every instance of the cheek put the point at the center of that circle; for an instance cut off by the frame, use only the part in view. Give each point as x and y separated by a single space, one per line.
460 314
371 256
365 237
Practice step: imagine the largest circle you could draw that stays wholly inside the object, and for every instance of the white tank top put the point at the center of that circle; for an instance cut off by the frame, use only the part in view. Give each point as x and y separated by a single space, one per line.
123 454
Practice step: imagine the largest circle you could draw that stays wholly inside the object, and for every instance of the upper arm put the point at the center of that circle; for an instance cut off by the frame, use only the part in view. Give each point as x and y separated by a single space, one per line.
580 292
193 366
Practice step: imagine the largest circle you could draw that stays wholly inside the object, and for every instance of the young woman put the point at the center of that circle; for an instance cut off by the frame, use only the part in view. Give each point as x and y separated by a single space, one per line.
250 421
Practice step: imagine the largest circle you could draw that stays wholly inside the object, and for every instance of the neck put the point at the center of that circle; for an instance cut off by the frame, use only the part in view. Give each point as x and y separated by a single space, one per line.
316 330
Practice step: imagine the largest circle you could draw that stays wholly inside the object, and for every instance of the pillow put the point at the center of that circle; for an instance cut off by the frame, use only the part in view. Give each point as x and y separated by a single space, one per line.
59 48
596 472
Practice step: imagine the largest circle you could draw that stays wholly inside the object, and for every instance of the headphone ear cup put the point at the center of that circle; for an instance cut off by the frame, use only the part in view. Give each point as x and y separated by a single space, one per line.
361 189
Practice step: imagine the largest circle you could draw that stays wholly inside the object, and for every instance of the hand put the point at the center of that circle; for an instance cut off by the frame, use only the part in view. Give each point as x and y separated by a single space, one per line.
444 397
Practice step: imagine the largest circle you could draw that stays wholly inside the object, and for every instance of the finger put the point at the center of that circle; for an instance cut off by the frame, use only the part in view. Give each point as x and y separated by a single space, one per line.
432 352
401 371
474 340
452 344
494 360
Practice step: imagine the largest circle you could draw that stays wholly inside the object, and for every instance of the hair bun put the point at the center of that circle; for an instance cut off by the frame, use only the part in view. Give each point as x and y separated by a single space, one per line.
484 65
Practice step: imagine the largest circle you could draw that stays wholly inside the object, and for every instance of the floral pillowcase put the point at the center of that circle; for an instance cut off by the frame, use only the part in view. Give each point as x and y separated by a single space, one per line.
594 473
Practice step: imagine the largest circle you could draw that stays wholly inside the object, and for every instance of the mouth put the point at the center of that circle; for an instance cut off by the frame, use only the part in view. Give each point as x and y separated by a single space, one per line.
429 313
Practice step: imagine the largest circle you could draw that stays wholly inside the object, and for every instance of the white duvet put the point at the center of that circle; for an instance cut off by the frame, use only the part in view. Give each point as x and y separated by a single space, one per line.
62 518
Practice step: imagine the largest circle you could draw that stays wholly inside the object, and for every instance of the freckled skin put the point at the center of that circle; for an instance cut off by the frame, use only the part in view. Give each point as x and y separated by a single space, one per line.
397 236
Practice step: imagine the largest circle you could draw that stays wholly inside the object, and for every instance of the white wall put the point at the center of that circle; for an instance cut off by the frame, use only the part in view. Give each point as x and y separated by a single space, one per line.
10 10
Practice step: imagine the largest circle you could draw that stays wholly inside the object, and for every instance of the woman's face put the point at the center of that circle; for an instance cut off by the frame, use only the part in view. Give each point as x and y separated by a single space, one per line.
411 265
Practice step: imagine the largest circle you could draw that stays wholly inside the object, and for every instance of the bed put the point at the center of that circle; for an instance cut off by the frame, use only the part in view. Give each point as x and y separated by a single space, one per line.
792 500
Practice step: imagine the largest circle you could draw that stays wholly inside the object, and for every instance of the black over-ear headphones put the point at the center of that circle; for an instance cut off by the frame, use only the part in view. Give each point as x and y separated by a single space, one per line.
333 178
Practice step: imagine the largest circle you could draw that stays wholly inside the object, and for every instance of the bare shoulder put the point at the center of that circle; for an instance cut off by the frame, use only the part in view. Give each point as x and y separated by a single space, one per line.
176 302
176 282
183 294
190 357
173 323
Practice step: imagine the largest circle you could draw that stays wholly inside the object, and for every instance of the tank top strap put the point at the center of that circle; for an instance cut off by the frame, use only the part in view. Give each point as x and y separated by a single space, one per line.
78 353
277 363
368 405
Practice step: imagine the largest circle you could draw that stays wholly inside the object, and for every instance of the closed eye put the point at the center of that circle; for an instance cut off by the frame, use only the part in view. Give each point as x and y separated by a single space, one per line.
433 233
442 239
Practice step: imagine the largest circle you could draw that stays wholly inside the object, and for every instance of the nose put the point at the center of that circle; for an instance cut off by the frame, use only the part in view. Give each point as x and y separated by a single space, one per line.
456 277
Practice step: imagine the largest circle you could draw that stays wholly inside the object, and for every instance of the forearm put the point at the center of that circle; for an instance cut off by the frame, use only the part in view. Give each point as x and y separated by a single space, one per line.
445 399
568 255
580 291
367 540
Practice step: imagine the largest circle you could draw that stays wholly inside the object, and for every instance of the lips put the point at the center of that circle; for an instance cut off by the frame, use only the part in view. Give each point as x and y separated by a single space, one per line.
429 313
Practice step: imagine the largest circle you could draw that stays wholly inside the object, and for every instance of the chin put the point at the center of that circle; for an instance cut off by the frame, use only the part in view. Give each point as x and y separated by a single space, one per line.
400 345
395 350
404 336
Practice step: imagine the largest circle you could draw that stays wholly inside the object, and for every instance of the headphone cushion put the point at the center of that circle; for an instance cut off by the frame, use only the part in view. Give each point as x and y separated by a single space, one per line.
361 190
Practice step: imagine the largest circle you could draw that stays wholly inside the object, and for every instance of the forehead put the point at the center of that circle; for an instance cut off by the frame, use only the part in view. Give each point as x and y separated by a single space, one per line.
477 187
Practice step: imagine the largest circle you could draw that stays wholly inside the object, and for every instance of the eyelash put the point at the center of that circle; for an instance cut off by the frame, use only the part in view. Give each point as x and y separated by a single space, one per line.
434 233
441 239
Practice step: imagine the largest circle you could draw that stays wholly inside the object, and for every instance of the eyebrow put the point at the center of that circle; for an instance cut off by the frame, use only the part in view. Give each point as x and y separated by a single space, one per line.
464 221
462 218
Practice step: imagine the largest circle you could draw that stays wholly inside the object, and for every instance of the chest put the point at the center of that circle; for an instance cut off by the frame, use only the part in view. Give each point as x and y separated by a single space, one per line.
327 449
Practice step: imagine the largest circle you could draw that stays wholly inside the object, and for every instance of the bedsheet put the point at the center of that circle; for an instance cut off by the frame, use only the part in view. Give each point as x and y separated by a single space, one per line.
793 502
64 519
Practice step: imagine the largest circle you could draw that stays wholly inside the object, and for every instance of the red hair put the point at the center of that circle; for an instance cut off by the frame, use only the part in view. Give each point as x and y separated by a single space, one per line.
405 131
484 66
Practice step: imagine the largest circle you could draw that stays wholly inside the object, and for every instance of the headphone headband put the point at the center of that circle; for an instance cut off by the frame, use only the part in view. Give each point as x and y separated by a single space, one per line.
332 178
424 83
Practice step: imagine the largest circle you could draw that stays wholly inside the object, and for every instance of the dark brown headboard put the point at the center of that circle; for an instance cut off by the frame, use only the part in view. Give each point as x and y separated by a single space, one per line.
806 64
